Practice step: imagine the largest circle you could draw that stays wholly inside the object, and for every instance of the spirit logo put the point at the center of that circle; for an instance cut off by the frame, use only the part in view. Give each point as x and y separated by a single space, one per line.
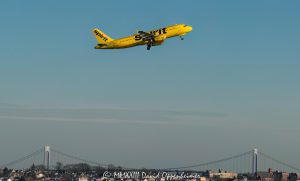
154 32
100 35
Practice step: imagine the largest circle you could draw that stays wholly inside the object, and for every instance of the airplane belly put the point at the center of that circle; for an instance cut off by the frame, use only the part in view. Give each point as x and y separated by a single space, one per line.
132 43
120 45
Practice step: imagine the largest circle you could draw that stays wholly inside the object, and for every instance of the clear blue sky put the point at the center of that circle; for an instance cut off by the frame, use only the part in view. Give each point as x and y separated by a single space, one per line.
233 84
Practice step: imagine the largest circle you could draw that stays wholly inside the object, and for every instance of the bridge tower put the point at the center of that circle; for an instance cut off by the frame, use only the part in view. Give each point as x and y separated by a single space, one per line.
255 161
47 157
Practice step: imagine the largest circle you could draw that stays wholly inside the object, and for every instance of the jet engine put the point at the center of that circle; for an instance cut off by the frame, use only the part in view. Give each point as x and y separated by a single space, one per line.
156 43
159 40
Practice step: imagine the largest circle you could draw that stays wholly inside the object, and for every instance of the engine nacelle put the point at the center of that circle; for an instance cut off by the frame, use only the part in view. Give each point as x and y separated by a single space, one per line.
156 43
160 38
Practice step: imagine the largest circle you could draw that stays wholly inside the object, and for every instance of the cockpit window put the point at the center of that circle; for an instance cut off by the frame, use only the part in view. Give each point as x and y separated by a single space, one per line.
185 26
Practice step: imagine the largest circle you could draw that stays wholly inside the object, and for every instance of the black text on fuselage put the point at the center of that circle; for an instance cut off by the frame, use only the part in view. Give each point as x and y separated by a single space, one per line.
154 32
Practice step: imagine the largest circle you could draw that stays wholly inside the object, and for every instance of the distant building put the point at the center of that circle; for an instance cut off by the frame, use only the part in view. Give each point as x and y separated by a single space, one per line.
203 179
242 178
265 176
83 178
294 177
220 175
280 176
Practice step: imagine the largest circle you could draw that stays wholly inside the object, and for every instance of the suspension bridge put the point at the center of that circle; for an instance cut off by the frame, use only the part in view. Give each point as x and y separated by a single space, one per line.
252 161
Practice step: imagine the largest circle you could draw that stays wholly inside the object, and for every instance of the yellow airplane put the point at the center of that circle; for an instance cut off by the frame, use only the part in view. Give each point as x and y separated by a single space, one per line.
151 38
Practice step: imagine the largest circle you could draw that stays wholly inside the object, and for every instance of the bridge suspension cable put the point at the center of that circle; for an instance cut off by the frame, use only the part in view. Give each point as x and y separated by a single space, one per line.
210 163
39 151
78 159
280 162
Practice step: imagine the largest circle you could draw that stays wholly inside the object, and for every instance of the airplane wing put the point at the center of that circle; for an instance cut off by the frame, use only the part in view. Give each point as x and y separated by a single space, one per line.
148 37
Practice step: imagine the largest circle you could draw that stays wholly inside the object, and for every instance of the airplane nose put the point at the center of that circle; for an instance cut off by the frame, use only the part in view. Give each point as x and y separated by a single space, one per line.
189 28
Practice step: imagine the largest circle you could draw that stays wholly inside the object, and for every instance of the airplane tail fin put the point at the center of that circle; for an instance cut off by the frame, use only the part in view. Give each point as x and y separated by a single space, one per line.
101 37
